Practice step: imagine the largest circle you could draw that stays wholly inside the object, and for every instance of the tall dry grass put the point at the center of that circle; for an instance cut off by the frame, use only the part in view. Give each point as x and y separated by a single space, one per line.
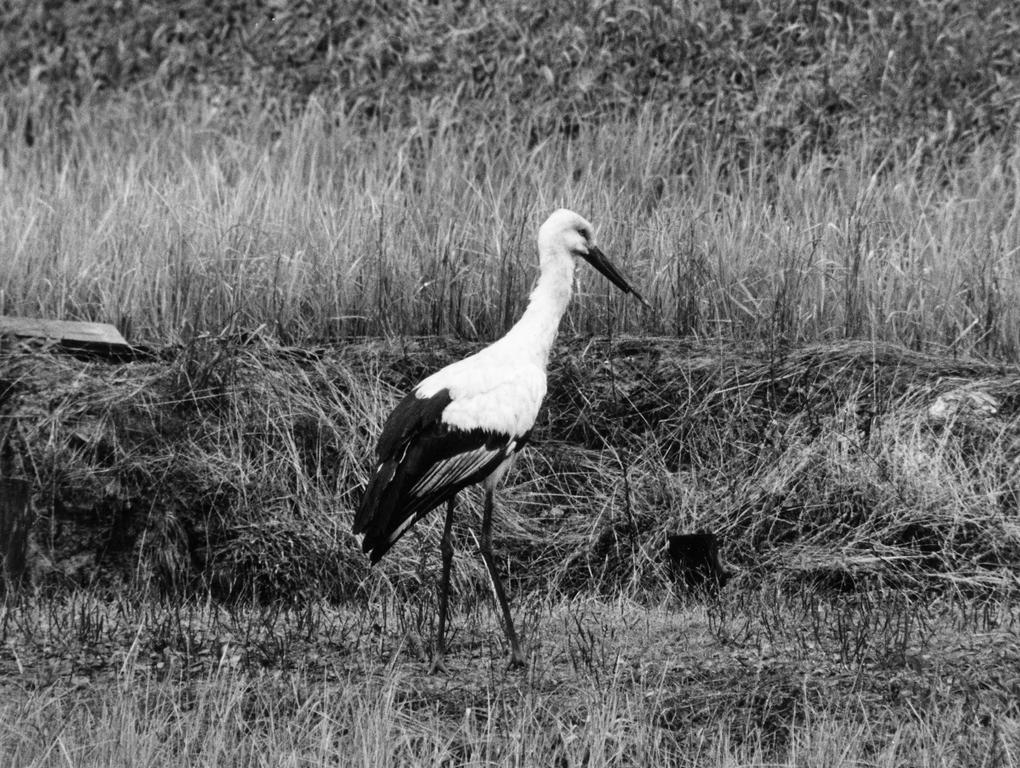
172 219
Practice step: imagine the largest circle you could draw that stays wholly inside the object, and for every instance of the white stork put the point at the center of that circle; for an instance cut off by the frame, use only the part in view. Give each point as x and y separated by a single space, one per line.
465 423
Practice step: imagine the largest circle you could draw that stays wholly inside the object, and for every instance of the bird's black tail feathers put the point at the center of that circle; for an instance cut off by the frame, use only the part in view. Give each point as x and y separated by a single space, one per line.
384 510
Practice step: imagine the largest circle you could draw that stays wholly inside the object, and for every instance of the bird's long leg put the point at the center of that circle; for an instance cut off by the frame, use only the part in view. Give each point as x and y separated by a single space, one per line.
446 548
485 546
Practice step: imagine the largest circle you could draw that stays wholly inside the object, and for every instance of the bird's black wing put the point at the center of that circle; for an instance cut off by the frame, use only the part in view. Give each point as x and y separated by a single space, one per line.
422 463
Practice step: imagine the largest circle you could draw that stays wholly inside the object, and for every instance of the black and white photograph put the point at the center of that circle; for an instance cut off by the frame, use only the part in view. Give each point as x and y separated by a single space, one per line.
456 383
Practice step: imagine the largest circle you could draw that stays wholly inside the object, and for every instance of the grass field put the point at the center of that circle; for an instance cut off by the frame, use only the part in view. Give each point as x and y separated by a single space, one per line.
759 678
299 210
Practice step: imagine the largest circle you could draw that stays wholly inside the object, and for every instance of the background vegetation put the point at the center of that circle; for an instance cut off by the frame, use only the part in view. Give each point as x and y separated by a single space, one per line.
807 74
299 209
813 170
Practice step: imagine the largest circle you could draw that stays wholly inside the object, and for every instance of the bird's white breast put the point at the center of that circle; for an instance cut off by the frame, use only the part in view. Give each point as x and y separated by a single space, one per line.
491 391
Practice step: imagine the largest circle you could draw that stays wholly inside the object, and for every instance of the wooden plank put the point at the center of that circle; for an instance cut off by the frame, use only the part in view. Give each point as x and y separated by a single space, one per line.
65 331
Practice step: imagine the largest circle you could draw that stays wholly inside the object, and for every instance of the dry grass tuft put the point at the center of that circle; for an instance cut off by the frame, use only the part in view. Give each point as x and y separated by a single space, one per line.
235 466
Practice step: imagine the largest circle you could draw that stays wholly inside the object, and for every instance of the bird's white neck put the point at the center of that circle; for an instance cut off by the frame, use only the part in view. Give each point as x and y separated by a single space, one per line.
533 335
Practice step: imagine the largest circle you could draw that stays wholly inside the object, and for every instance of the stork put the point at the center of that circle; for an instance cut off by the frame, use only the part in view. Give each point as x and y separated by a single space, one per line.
466 422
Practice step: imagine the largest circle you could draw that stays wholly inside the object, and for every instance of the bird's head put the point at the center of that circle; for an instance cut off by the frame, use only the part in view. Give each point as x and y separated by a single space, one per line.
567 235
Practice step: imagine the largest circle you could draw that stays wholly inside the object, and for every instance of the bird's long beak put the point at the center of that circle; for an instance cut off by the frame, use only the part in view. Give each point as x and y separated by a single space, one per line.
597 259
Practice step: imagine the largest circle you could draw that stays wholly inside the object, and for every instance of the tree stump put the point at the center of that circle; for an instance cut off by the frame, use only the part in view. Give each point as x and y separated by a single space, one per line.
696 562
15 522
